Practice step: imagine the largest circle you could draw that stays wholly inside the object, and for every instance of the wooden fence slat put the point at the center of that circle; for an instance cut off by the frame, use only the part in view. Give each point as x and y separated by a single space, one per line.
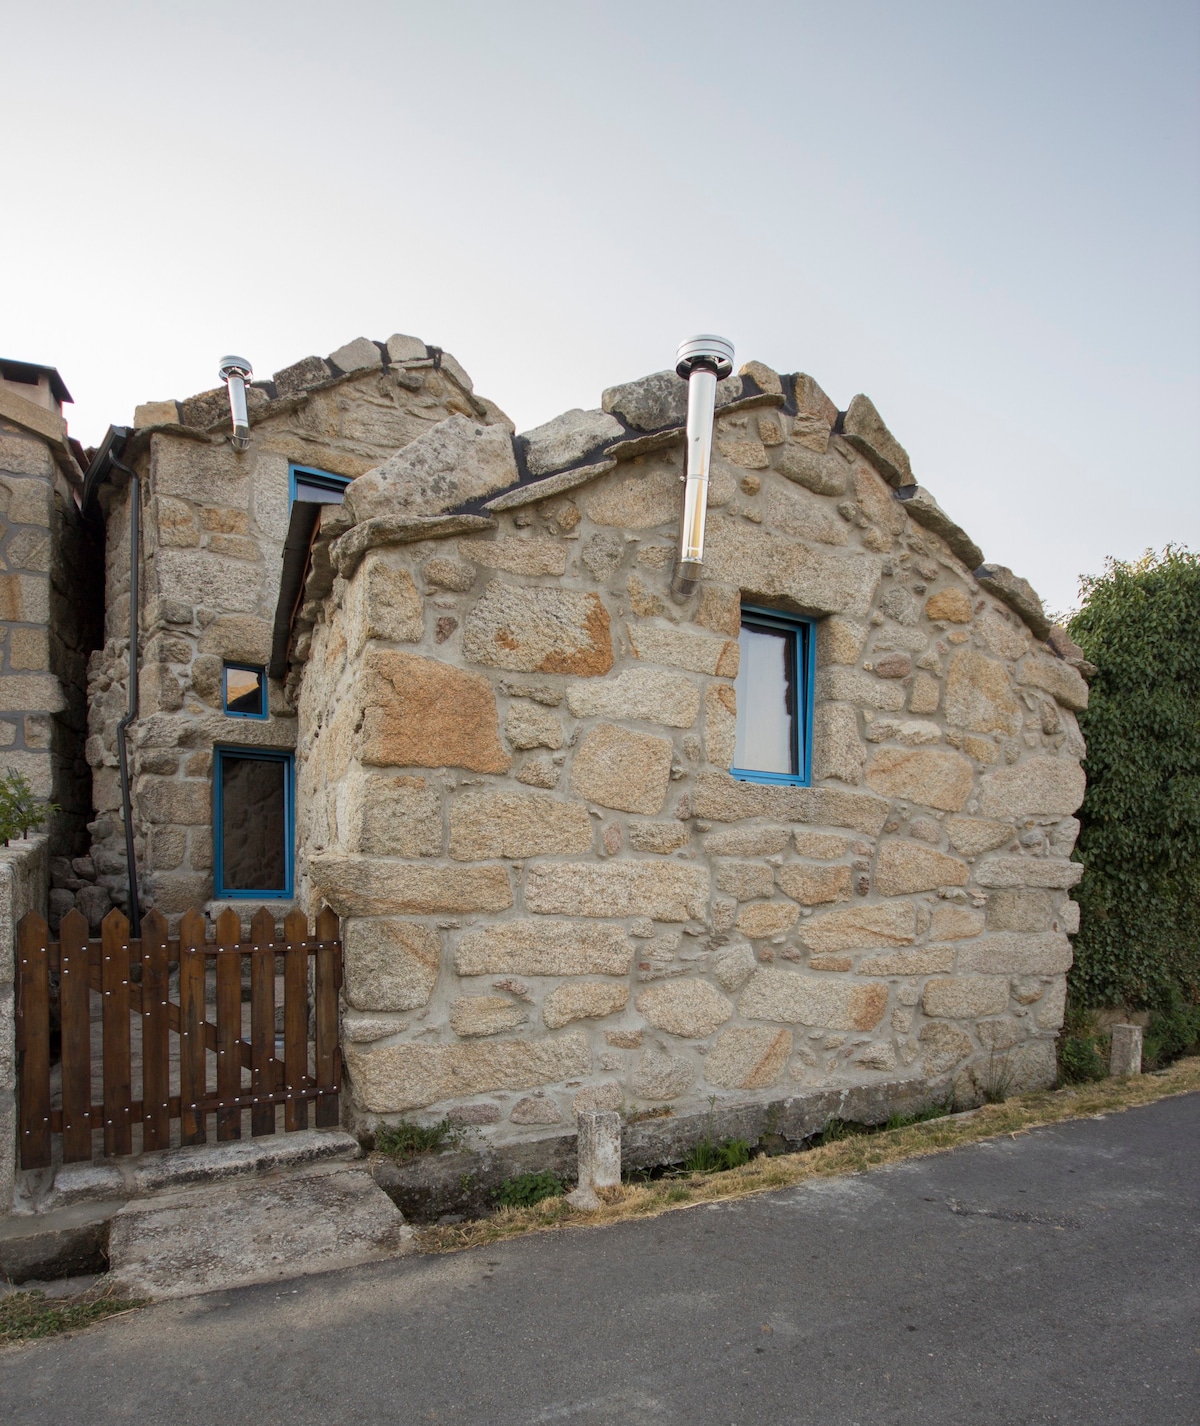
193 1066
118 1085
295 1018
229 1022
262 1021
156 1046
75 1009
33 1043
327 984
133 979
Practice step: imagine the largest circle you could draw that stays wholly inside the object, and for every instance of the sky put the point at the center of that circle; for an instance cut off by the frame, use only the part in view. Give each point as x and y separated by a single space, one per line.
985 217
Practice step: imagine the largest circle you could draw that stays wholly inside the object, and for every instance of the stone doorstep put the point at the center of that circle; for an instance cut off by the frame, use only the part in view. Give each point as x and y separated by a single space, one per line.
167 1169
314 1219
462 1181
66 1243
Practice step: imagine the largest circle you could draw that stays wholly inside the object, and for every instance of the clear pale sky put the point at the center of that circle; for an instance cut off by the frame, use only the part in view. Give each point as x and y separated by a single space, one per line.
986 217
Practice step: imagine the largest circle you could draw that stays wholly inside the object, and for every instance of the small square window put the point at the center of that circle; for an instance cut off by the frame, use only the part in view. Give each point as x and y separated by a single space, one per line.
317 487
774 687
245 691
252 793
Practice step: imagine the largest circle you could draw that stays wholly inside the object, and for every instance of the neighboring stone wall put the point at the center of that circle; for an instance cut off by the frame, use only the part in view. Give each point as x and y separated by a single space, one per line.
514 781
50 596
24 876
214 522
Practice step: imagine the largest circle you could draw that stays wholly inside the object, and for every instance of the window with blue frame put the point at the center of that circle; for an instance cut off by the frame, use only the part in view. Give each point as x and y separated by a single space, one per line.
244 690
318 487
774 686
253 821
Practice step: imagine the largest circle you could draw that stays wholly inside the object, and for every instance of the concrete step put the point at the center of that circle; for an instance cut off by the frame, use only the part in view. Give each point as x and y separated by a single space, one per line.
264 1228
166 1170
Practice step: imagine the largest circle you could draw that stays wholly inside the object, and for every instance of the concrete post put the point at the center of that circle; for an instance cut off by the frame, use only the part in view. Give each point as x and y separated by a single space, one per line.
1126 1055
599 1155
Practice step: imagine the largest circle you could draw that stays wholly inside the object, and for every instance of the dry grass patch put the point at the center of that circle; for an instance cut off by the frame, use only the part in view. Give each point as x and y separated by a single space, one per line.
26 1316
852 1155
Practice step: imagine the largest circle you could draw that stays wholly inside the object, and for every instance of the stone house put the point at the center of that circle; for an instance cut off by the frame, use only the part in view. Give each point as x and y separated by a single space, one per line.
806 831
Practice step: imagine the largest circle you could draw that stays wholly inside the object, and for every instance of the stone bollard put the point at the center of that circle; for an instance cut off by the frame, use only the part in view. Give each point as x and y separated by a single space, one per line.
599 1155
1126 1054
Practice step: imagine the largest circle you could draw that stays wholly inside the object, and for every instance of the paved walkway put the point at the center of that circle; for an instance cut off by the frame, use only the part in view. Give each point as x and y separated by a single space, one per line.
1054 1277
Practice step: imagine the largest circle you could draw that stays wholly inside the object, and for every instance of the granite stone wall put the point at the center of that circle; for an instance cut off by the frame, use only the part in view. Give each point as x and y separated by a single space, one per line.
214 522
50 601
514 788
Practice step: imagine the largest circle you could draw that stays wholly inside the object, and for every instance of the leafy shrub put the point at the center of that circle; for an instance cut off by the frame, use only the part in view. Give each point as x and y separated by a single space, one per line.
1079 1059
20 811
1171 1032
405 1141
1139 939
528 1189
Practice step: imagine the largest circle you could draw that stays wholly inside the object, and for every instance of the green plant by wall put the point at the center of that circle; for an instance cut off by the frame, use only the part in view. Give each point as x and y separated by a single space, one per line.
405 1141
20 811
707 1157
528 1189
1139 940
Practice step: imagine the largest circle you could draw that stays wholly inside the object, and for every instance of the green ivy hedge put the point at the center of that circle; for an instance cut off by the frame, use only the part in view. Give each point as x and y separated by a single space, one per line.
1139 938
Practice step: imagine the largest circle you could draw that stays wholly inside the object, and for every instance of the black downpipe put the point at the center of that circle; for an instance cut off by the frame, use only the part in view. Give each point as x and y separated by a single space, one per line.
135 522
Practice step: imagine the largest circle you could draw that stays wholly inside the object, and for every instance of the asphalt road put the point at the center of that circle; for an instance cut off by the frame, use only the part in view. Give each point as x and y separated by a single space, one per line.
1054 1277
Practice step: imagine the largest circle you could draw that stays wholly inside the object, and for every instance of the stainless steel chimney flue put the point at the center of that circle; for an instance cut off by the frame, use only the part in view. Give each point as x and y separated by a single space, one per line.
236 371
702 362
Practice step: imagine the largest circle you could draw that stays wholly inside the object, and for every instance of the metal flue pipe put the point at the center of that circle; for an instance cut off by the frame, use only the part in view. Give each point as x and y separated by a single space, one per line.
702 362
236 371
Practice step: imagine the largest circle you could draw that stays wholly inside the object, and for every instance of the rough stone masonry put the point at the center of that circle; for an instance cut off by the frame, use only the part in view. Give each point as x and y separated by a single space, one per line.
513 748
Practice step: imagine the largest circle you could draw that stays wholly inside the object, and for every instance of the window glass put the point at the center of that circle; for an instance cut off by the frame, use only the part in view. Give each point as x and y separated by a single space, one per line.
254 823
318 487
245 691
765 737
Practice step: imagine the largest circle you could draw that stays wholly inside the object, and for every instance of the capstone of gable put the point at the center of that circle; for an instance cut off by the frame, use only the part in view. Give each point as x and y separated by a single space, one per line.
864 428
401 348
362 354
458 461
307 372
1017 593
1064 683
568 439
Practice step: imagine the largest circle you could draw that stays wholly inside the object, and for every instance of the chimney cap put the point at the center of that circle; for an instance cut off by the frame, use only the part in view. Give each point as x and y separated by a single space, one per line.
706 352
235 366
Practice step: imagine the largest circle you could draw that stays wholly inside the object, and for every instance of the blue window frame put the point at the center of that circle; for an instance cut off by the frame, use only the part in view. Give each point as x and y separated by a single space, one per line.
775 688
244 691
305 482
253 824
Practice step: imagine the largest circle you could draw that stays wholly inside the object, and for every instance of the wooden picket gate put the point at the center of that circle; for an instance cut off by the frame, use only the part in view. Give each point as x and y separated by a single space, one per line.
256 1067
